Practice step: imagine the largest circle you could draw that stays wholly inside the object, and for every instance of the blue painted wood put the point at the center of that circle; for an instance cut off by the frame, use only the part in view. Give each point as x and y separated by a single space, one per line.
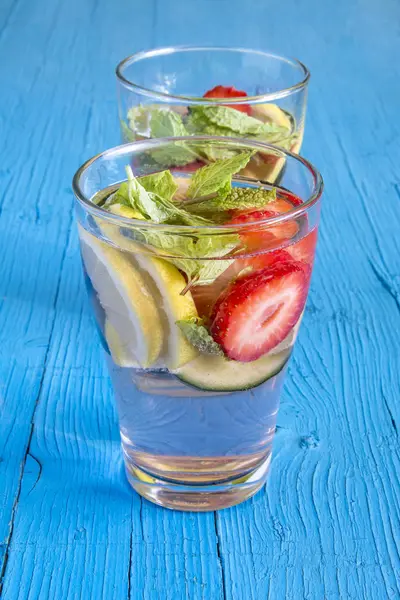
327 524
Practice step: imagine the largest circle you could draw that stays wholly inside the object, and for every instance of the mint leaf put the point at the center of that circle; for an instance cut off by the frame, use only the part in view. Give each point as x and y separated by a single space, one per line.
229 118
166 123
121 196
193 255
239 198
217 177
177 154
153 206
225 121
198 336
197 123
142 200
161 183
153 122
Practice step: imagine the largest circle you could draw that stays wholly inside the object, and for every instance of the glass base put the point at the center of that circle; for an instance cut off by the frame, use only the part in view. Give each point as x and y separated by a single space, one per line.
198 498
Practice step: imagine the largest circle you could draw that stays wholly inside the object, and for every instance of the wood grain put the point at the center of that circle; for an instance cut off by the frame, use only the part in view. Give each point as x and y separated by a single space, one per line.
327 524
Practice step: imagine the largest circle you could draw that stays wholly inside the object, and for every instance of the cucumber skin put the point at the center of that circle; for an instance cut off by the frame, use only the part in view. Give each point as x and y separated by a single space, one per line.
251 386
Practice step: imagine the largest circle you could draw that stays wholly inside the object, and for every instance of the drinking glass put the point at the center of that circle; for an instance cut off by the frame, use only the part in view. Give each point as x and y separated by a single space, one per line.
250 93
197 424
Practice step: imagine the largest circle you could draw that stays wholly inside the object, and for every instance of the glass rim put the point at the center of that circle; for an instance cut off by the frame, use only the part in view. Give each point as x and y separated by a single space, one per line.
142 145
163 51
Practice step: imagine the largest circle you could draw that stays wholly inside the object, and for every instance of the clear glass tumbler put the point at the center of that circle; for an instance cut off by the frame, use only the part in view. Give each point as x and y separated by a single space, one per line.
197 423
234 92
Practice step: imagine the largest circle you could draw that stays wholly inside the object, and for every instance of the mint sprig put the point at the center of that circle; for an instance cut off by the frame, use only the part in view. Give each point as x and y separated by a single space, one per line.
217 177
238 198
198 335
162 183
193 254
153 122
153 206
229 118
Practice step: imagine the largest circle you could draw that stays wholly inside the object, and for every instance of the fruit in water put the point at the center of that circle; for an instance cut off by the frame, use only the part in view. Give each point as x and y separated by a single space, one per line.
189 168
271 113
221 91
262 237
217 374
258 310
165 283
304 250
126 298
205 296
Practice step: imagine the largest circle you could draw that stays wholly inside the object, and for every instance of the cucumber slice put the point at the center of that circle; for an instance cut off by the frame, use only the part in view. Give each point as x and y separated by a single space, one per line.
218 374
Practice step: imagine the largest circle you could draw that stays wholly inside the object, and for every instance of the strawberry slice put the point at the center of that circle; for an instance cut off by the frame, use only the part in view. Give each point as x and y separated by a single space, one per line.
266 259
257 239
304 250
205 296
259 310
189 168
267 237
221 91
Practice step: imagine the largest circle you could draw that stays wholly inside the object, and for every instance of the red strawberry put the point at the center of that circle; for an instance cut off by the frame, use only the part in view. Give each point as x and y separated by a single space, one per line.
221 91
259 310
205 296
189 168
304 250
264 238
267 259
284 202
255 239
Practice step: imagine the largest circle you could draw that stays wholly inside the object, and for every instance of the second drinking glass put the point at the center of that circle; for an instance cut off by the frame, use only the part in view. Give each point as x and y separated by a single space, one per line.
233 92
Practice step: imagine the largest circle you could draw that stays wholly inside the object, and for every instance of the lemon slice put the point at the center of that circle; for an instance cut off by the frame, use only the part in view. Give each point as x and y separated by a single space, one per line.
271 112
168 284
125 297
125 211
264 168
121 349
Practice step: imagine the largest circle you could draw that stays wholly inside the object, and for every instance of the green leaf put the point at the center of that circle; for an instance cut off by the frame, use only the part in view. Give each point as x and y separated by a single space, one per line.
161 183
195 332
121 196
154 122
239 198
225 121
197 123
217 177
153 206
193 254
176 154
143 201
229 118
167 123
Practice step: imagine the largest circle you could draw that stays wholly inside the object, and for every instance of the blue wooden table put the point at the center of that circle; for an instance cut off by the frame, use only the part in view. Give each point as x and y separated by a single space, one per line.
327 525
